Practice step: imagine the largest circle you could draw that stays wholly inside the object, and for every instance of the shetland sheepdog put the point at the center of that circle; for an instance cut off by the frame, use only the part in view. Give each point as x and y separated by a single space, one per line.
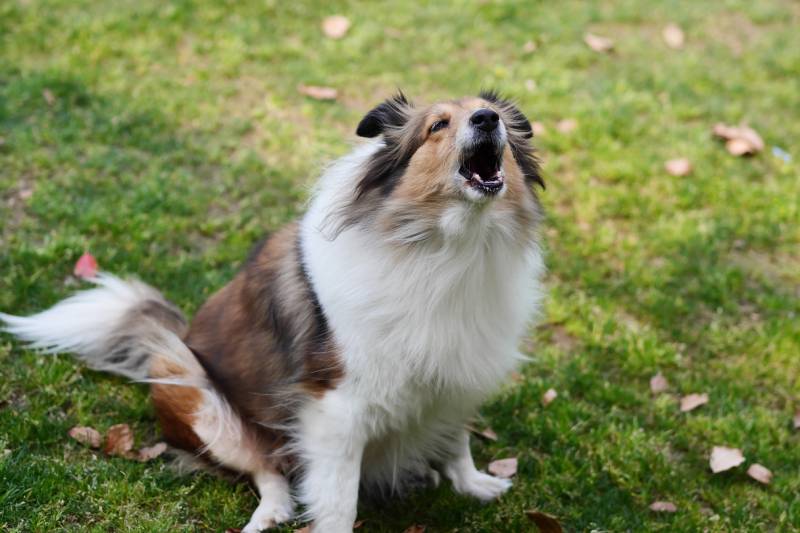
352 346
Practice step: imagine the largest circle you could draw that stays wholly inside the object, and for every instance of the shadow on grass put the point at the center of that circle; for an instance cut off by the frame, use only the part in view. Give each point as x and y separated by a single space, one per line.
114 176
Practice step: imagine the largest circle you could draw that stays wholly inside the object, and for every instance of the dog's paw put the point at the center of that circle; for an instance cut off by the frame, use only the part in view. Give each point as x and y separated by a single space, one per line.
482 486
267 515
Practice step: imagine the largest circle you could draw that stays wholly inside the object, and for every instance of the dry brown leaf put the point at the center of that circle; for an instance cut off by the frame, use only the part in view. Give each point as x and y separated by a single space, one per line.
489 434
549 396
358 524
739 147
673 36
598 43
567 125
740 140
693 401
416 528
86 435
119 440
545 522
723 458
304 529
529 47
658 384
678 167
663 507
335 26
317 92
151 452
538 128
233 530
49 97
504 468
797 419
760 473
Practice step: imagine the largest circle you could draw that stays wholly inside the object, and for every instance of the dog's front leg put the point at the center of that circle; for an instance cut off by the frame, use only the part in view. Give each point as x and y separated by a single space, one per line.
332 439
467 479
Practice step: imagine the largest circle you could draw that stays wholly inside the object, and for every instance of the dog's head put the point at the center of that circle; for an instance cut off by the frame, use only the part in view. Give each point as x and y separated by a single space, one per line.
468 148
445 168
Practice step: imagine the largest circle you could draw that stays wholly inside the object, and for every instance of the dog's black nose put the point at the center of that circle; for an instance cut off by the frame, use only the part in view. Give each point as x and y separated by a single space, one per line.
485 119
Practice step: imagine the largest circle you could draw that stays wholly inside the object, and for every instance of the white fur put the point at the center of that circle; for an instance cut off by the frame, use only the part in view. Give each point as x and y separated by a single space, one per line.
84 322
425 333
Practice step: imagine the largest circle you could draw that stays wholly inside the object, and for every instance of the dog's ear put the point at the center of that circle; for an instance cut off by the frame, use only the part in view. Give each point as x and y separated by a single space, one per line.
392 113
517 119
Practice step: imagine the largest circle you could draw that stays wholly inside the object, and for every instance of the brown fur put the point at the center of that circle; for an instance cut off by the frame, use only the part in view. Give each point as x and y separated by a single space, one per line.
175 406
263 340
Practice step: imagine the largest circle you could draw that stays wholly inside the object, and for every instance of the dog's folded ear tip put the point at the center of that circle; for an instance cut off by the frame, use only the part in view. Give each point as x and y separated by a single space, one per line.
368 127
392 112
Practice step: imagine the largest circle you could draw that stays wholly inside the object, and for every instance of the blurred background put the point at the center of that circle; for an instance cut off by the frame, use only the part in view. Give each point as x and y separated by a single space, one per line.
165 138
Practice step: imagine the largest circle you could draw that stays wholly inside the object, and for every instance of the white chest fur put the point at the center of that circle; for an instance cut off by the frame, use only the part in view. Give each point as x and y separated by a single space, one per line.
413 324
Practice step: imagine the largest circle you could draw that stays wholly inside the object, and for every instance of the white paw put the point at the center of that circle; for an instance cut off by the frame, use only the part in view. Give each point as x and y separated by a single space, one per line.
482 486
267 515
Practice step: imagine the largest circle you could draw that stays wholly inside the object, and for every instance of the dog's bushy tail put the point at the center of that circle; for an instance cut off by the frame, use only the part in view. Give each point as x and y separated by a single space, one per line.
113 327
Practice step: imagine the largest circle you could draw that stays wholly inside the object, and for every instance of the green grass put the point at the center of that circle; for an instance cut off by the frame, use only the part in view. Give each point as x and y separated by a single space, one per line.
176 138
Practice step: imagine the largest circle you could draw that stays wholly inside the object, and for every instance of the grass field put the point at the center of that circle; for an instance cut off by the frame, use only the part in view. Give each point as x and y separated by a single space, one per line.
166 138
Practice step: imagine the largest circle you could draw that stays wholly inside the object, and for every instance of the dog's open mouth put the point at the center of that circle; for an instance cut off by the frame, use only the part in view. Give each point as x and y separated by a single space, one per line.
482 169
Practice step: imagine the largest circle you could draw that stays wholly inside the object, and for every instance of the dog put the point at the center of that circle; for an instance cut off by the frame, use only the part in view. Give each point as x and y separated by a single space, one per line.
352 346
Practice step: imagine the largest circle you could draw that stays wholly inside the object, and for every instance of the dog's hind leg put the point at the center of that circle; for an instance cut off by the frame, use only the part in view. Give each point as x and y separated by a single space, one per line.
200 420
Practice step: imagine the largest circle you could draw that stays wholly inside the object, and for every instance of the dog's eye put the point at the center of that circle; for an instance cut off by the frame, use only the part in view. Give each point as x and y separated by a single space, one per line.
438 125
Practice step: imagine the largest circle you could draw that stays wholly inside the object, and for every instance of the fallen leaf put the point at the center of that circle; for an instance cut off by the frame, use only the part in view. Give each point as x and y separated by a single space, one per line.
49 97
658 384
86 266
119 440
24 194
504 468
86 435
336 26
663 507
678 167
151 452
545 522
567 125
516 377
305 529
673 36
723 458
317 92
797 419
693 401
740 140
549 396
598 43
760 473
488 434
538 128
358 524
233 530
416 528
529 47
